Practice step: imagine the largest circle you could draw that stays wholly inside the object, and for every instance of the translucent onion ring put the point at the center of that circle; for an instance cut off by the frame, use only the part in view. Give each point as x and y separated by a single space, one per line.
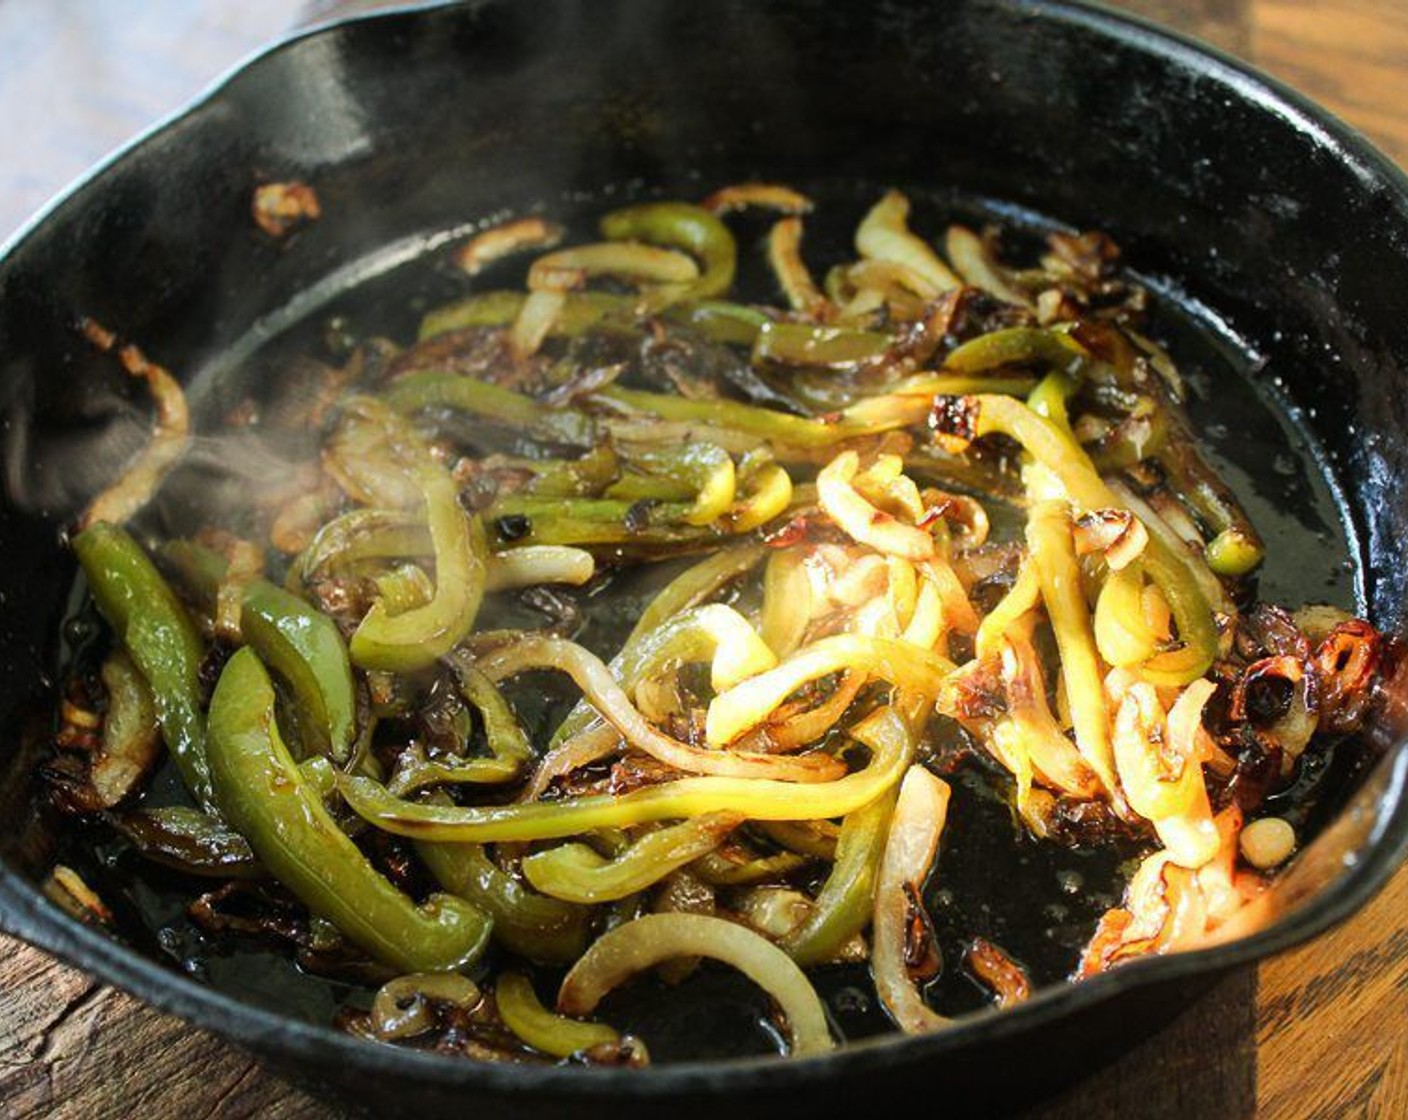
655 938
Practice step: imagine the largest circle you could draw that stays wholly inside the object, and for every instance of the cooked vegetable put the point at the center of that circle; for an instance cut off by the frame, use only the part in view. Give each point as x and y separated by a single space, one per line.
641 619
159 637
654 938
265 796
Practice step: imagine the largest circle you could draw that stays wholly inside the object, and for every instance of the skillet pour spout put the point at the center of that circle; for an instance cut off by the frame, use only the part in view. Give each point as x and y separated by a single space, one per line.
1281 236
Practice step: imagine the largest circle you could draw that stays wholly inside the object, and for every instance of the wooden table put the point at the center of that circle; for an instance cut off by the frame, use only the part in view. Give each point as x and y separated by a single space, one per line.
1319 1032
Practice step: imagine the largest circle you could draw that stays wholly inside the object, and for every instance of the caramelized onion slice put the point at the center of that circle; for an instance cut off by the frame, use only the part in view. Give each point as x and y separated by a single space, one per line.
881 530
171 435
915 828
606 695
654 938
505 239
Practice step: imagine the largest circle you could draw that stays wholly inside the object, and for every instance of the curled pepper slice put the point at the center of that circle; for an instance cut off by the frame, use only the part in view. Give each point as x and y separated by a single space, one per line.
416 638
681 226
299 643
266 797
158 636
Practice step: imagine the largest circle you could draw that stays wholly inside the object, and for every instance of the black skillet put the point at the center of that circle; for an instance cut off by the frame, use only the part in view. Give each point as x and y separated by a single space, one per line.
1278 239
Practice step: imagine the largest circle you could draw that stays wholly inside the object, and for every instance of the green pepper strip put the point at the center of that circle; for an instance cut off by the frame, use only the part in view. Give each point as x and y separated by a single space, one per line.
582 312
575 873
764 423
799 344
540 1028
266 797
1017 346
695 585
507 740
756 798
300 644
415 639
699 470
681 226
189 840
1044 441
159 637
720 321
601 522
423 389
1058 572
542 929
1237 547
846 900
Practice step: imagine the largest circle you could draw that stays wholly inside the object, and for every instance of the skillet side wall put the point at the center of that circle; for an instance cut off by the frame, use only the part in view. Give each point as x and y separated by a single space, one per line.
410 123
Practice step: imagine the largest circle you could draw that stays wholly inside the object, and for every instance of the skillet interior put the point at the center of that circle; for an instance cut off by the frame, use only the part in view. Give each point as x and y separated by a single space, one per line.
1062 112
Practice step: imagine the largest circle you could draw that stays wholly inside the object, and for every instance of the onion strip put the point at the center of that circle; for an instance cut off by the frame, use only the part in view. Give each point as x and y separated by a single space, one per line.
910 848
655 938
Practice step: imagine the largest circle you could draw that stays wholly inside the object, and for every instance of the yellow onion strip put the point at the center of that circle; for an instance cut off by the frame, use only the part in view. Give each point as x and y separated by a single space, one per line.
885 731
1052 754
402 1008
881 530
910 848
1162 774
1168 564
626 260
884 235
1021 598
503 240
787 601
763 196
748 704
576 873
529 565
593 677
535 321
769 492
1053 556
968 254
654 938
1125 634
785 257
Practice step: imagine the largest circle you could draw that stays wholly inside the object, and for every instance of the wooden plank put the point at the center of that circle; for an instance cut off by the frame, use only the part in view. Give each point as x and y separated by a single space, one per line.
1332 1021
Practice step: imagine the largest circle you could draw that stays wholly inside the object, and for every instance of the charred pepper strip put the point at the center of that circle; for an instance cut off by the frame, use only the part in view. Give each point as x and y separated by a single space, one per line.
681 226
266 797
720 321
415 639
423 389
582 311
1017 346
799 344
299 643
158 636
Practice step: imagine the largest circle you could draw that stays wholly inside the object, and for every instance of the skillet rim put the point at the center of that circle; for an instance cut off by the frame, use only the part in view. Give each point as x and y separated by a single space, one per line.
25 913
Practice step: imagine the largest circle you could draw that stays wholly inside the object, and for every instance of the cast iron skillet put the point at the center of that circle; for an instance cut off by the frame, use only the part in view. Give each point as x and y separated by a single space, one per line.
1229 188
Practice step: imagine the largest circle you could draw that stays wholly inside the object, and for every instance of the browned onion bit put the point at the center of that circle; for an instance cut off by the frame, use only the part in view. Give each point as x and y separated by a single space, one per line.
998 971
280 208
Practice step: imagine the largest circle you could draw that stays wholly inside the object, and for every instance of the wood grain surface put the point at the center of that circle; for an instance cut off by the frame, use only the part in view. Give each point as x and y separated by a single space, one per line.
1321 1032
